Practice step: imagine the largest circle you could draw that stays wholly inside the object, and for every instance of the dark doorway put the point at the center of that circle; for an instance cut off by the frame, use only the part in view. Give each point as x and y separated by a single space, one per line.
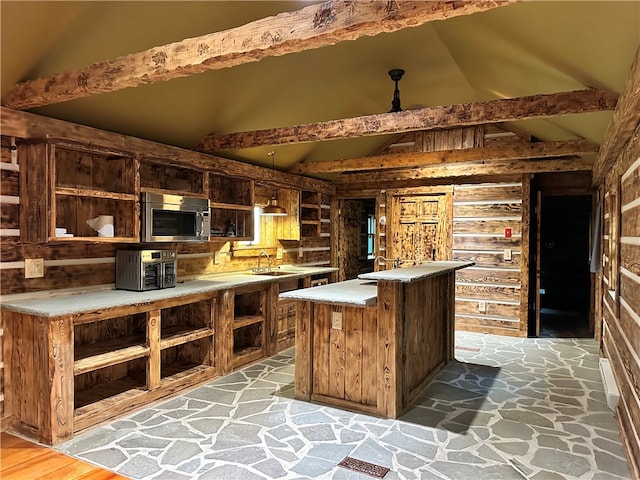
356 233
565 283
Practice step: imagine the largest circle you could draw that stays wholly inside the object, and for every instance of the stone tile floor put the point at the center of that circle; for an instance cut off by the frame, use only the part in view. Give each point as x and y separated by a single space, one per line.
505 409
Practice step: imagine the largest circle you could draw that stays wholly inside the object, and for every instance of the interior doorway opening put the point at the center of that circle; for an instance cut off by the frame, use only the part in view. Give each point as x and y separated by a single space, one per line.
564 280
356 237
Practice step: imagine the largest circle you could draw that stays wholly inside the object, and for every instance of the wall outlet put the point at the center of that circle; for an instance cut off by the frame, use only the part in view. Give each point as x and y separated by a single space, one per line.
216 258
482 307
279 253
33 267
507 254
300 252
336 320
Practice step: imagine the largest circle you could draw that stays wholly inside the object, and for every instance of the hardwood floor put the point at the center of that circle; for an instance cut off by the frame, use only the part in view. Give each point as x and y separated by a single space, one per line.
23 460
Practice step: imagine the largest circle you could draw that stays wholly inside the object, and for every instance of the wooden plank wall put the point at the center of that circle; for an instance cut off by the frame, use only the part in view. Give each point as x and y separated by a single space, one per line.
621 290
489 295
9 228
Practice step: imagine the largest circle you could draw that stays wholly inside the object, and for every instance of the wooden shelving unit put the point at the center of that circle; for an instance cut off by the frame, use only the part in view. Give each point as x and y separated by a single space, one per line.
310 215
315 215
249 325
186 337
158 177
70 183
231 207
105 363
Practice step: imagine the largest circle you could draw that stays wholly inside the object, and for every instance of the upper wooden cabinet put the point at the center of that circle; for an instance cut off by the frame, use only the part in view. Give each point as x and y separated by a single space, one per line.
66 184
159 177
315 215
232 201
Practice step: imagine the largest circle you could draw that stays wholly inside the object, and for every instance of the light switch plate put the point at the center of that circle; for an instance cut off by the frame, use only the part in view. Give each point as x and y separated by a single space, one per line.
482 307
336 320
300 252
507 254
279 253
216 258
33 267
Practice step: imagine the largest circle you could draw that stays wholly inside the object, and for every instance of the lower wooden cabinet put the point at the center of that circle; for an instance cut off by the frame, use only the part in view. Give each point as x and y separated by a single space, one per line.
73 372
286 313
66 374
249 326
286 320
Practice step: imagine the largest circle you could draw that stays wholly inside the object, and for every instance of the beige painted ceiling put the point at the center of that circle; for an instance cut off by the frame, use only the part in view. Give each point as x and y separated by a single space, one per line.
527 48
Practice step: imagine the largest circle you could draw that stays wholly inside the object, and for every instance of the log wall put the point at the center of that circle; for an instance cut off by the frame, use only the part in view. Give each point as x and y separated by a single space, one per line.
620 300
491 296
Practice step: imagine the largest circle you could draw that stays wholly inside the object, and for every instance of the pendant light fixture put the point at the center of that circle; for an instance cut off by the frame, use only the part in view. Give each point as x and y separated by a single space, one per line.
273 209
396 74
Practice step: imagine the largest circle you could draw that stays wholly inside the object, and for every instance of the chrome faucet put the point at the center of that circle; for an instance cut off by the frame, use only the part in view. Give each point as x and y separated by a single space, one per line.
263 269
396 261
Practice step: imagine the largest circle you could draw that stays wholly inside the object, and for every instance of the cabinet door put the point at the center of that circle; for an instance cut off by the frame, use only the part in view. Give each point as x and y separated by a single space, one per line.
421 228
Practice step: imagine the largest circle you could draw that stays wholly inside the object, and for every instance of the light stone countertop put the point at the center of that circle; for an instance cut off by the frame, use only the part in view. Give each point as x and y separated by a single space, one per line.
417 272
68 304
363 291
359 293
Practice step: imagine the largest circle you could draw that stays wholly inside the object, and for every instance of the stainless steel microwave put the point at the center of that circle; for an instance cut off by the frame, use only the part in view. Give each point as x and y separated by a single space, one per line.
174 218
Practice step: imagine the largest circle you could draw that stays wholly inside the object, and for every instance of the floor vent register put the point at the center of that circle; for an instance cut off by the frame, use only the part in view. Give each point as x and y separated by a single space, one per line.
360 466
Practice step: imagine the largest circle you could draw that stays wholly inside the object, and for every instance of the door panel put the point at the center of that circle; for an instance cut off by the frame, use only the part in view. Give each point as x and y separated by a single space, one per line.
421 228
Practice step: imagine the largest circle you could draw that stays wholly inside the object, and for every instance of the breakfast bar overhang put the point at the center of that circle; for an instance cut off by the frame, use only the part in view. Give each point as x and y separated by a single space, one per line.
373 343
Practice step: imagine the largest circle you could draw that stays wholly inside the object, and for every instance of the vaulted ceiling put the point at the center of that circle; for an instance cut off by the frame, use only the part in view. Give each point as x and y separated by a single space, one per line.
522 49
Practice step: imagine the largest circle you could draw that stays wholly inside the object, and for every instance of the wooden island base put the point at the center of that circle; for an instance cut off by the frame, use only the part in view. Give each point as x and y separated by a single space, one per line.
374 356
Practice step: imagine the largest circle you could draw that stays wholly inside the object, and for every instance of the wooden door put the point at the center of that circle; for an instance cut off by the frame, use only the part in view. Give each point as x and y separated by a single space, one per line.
421 227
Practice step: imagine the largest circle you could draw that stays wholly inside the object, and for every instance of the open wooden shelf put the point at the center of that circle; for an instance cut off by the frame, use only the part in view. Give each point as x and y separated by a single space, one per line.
96 362
185 356
162 191
156 176
176 373
230 206
181 334
245 320
93 399
247 355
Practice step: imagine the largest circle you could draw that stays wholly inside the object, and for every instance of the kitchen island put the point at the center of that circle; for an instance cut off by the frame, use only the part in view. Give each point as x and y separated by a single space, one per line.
372 344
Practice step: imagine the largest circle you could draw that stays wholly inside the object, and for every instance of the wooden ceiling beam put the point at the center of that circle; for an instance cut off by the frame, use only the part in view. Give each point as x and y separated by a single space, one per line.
464 115
626 119
311 27
418 159
466 169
